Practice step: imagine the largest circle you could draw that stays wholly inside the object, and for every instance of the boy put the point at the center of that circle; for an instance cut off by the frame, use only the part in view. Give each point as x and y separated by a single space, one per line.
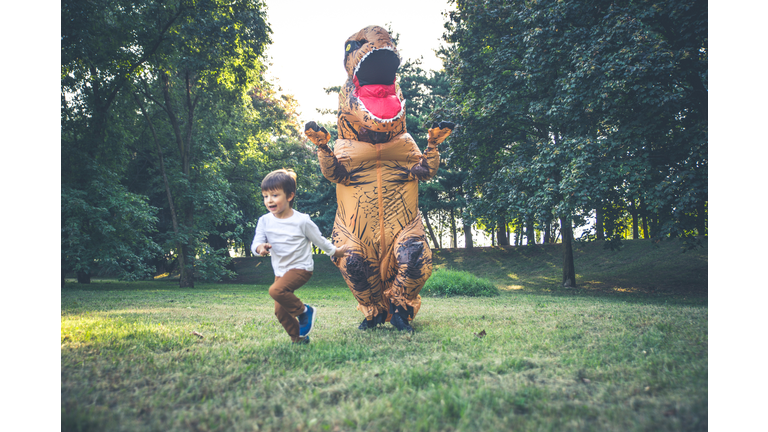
286 234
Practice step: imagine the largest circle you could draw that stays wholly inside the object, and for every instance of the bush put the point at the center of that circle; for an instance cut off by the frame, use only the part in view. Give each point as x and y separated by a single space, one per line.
447 282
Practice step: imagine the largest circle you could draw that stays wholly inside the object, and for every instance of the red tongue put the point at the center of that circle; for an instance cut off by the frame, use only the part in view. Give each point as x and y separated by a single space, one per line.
380 100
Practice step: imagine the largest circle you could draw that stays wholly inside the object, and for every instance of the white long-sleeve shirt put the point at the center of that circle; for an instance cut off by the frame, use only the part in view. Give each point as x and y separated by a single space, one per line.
290 239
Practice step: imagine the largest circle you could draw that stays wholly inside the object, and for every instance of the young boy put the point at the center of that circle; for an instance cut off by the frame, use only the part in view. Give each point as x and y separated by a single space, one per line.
286 234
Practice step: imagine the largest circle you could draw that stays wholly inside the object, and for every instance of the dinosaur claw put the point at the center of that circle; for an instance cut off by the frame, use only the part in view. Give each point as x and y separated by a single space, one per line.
311 125
447 124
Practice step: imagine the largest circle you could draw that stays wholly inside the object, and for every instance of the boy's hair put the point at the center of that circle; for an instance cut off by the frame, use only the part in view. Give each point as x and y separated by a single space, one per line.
281 179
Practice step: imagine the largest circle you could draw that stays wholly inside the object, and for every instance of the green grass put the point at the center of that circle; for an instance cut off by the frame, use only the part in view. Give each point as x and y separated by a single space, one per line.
628 351
449 282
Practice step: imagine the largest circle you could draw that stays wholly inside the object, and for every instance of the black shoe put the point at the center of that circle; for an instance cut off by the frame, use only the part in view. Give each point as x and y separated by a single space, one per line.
381 318
400 319
400 324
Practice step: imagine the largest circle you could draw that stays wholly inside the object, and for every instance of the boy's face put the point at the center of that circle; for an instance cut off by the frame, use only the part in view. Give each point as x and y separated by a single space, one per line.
277 203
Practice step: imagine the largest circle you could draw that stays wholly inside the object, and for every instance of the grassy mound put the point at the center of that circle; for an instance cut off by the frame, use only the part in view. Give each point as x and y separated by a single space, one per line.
447 283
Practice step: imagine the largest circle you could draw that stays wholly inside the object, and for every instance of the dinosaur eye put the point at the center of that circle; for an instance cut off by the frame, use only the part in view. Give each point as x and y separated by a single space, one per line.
353 46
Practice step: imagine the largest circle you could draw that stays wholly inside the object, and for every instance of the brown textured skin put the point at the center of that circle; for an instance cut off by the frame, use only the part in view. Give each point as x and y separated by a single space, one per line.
376 167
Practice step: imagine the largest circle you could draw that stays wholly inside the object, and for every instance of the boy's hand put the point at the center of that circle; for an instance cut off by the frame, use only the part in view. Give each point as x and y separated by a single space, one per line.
263 249
341 251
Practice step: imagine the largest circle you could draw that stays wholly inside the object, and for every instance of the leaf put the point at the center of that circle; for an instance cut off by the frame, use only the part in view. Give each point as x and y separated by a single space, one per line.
481 334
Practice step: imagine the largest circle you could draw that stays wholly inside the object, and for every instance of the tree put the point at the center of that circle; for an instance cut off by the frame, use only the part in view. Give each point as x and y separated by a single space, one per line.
103 47
166 98
426 93
113 236
567 103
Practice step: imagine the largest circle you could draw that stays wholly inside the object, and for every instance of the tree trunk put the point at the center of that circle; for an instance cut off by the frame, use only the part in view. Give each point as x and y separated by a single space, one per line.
547 236
501 232
180 247
83 277
633 211
184 144
569 271
430 231
644 212
467 235
453 230
599 222
187 274
654 225
530 234
701 218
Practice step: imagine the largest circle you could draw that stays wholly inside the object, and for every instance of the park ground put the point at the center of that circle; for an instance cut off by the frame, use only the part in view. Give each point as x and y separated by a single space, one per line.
626 350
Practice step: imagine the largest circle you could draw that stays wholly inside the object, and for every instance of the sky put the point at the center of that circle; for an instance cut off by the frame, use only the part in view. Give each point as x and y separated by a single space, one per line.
308 42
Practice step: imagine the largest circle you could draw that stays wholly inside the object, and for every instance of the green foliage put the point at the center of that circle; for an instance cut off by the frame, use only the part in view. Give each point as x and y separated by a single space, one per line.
426 93
593 101
569 106
169 98
447 283
106 229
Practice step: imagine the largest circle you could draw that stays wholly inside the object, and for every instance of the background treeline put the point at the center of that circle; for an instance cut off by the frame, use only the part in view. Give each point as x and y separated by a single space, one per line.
567 110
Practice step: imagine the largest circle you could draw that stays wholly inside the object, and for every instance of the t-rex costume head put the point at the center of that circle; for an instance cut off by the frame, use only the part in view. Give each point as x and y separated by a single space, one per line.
376 165
371 100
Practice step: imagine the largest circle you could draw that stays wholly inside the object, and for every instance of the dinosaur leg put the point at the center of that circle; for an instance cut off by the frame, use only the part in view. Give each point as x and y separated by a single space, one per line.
413 258
362 276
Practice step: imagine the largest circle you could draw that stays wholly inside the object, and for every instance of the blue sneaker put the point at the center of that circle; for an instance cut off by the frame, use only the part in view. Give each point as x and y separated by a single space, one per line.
302 341
307 320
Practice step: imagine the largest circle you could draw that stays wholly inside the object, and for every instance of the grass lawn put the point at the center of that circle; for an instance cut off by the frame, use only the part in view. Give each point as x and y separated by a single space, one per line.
627 351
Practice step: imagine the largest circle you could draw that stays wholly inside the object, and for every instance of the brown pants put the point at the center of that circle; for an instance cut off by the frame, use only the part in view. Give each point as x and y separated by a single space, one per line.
287 305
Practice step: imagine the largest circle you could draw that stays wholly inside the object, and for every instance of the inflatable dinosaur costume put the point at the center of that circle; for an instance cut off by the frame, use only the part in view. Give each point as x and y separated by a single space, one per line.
376 166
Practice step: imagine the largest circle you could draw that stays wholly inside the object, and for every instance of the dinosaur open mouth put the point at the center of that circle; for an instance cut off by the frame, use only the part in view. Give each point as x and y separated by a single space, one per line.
374 81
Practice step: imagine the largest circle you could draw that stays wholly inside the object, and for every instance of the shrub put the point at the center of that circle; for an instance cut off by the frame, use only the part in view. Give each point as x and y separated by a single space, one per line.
447 282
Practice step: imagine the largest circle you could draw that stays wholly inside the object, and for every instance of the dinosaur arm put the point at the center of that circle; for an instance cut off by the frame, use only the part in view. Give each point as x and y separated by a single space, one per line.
438 133
427 166
430 160
332 169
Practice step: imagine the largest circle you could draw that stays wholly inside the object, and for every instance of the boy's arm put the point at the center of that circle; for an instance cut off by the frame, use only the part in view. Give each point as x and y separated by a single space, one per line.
259 244
332 169
312 232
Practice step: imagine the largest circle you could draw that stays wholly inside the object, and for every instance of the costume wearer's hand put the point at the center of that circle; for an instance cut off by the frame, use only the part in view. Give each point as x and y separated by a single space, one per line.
317 134
341 251
263 249
439 132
